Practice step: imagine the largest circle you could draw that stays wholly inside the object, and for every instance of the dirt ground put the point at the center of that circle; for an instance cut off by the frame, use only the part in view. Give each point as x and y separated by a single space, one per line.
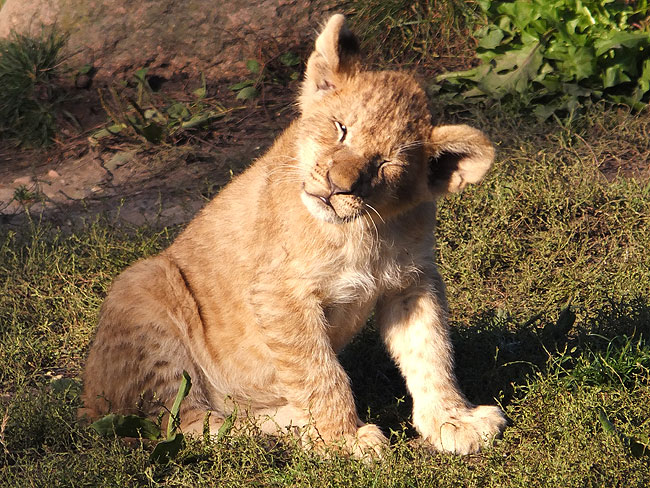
166 184
128 178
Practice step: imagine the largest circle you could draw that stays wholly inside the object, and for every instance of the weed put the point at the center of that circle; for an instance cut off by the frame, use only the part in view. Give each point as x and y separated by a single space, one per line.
556 55
26 196
152 117
140 427
278 69
29 67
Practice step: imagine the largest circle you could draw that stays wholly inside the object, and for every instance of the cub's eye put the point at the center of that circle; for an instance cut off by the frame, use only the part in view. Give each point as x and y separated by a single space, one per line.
386 165
342 130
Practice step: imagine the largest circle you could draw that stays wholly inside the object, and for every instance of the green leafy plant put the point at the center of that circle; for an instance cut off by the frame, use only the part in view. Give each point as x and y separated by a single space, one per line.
153 117
29 67
135 426
25 195
557 54
278 70
168 447
637 447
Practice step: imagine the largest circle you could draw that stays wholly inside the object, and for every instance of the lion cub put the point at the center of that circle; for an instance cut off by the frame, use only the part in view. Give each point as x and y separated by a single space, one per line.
280 271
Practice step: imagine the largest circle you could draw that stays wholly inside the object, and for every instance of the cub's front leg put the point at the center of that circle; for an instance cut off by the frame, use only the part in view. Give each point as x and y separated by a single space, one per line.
414 327
310 375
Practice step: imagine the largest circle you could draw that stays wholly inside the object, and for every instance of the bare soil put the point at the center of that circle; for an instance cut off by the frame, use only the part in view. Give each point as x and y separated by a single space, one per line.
166 184
129 178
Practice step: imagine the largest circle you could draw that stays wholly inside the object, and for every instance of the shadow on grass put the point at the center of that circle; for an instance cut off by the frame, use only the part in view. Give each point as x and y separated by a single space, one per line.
496 355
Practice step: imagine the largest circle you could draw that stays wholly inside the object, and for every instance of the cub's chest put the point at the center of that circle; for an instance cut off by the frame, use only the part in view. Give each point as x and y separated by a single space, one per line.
365 281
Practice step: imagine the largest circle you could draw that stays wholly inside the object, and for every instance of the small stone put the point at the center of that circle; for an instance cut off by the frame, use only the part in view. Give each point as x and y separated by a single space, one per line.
23 181
53 174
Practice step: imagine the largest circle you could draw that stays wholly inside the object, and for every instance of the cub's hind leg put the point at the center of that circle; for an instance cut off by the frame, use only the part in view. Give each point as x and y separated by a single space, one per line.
141 346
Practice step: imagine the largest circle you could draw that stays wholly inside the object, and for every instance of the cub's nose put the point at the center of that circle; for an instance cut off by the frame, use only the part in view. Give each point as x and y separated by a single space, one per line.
332 189
338 190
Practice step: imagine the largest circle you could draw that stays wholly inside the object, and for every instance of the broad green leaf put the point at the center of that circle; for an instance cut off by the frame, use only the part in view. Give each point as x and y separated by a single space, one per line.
152 132
178 111
560 50
85 69
120 158
64 385
126 426
492 38
107 132
604 421
613 76
637 448
241 84
644 79
227 425
621 39
183 390
521 12
247 93
513 72
290 59
580 63
450 75
253 66
199 119
543 112
167 450
484 4
141 74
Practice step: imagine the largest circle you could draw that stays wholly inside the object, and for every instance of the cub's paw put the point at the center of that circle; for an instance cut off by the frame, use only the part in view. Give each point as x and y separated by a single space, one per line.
367 443
465 431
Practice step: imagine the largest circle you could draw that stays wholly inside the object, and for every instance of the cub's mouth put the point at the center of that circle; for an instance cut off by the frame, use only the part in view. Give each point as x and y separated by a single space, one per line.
335 209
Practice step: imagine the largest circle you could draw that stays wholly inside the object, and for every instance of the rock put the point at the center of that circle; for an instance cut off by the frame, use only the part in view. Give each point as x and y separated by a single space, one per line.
23 181
169 37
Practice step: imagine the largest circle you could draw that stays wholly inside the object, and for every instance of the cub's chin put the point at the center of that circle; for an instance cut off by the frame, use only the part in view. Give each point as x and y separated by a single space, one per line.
322 210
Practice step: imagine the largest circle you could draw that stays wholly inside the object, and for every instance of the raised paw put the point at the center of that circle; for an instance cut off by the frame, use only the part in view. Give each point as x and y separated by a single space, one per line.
465 431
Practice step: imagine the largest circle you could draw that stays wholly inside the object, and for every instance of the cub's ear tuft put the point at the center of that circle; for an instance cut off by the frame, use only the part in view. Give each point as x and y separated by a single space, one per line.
336 56
458 155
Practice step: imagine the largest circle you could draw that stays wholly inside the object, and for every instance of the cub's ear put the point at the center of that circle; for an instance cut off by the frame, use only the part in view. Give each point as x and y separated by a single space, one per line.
458 155
336 56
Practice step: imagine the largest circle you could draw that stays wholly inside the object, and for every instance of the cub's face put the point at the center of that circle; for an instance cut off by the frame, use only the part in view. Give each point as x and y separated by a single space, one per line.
366 145
363 148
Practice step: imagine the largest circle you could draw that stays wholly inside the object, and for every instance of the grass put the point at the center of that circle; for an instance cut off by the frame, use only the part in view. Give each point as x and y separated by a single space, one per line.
29 67
427 33
548 279
544 230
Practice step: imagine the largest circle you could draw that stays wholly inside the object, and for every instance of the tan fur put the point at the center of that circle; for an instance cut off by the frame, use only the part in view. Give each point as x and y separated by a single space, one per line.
278 273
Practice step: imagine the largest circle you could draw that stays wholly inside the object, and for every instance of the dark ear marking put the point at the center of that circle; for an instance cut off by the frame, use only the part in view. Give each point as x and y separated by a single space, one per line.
442 166
459 155
348 43
334 59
